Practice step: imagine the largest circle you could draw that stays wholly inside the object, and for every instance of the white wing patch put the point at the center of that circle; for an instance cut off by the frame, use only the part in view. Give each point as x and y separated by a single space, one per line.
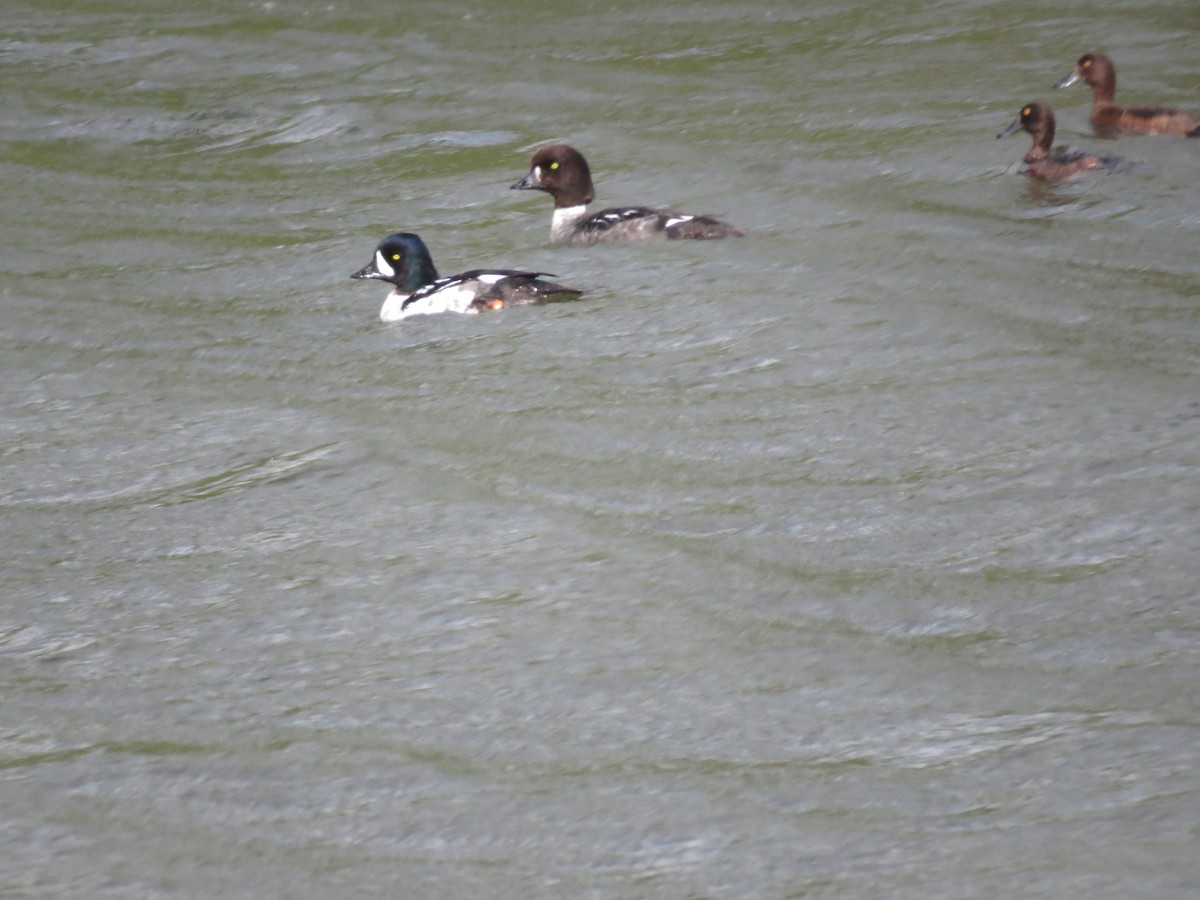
444 295
449 299
384 267
453 297
677 220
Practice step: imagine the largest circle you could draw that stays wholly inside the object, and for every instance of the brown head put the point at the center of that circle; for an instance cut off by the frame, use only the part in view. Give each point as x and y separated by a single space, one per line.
1097 70
562 172
1038 120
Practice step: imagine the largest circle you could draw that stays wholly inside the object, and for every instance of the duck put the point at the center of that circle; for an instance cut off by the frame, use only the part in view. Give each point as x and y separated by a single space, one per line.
403 261
1038 120
561 171
1097 70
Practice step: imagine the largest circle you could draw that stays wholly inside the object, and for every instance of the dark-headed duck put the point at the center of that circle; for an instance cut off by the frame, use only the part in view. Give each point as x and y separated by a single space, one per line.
1098 71
1038 120
562 172
403 261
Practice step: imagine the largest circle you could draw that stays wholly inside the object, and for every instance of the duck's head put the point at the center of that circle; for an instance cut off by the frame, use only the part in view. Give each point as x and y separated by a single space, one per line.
401 259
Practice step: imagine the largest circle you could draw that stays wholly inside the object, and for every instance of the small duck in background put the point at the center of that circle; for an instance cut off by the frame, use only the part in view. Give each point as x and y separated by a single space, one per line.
1097 70
403 260
562 172
1038 120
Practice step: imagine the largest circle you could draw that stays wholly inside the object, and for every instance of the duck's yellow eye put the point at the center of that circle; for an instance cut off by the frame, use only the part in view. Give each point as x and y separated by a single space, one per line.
1027 112
553 166
1087 63
396 257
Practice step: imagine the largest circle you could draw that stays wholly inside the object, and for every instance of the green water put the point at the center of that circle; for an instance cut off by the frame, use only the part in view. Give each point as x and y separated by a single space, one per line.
855 558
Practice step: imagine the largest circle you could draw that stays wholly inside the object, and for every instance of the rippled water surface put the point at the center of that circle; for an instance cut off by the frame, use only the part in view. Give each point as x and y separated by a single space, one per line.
857 558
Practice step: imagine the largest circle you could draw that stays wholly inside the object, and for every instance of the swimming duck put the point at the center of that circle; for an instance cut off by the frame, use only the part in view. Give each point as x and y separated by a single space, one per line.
1038 120
1097 70
562 172
404 261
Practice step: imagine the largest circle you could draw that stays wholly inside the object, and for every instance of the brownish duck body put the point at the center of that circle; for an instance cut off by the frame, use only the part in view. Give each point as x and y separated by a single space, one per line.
1097 70
1041 161
563 173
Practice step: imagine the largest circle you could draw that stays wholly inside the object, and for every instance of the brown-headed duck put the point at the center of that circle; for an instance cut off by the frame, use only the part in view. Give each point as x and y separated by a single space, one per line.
562 172
1038 120
1097 70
